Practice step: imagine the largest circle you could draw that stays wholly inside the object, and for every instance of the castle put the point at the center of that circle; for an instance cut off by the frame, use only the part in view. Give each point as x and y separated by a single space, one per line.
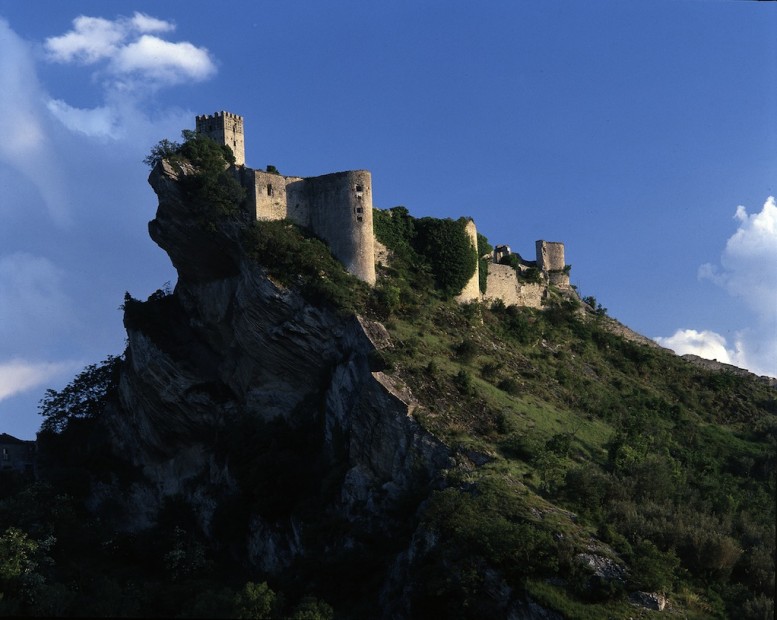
337 207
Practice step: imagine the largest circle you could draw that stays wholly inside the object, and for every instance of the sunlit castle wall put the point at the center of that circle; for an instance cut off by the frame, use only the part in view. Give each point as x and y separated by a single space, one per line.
225 128
341 214
275 197
471 290
550 259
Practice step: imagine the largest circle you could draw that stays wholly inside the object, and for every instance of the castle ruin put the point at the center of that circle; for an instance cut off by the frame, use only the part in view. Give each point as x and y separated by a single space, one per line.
337 207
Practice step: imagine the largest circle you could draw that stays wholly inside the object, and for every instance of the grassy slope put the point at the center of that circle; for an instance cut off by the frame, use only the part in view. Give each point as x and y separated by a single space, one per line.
604 444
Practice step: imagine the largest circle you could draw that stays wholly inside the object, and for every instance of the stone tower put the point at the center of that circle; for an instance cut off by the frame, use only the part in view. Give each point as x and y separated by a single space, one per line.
471 290
550 259
225 128
337 207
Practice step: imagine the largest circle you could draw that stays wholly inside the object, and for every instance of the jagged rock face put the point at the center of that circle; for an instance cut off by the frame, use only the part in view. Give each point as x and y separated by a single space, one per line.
230 348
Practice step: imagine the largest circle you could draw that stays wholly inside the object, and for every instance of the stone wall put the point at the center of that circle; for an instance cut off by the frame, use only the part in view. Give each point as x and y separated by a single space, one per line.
550 255
275 197
471 290
341 214
336 207
502 283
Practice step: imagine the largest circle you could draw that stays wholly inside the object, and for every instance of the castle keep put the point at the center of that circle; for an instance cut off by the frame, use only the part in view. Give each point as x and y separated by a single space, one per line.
337 207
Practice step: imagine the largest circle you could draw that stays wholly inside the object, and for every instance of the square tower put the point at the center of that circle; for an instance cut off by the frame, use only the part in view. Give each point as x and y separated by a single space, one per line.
225 128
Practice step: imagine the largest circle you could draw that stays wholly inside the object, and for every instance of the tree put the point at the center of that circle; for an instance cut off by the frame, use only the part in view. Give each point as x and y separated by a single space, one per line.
257 600
162 150
449 250
83 398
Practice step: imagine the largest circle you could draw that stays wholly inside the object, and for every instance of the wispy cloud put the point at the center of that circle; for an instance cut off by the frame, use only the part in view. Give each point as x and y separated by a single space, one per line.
26 146
131 48
130 59
18 376
747 271
33 302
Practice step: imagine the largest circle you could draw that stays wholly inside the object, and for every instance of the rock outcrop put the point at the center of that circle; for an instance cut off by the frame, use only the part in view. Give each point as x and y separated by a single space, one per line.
232 363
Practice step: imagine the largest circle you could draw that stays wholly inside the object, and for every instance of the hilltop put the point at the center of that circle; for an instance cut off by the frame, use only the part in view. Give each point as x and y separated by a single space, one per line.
282 439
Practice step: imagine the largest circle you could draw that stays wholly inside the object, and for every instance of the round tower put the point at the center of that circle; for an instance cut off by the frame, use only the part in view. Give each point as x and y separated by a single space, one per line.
341 214
471 290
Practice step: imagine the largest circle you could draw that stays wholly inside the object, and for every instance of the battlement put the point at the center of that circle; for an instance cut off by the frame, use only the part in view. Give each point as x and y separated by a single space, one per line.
217 115
224 128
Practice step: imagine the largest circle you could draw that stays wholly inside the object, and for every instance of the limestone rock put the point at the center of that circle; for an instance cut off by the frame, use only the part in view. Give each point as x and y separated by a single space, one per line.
230 345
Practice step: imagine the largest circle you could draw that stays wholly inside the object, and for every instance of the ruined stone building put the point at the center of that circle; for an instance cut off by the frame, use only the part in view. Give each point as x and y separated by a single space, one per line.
337 207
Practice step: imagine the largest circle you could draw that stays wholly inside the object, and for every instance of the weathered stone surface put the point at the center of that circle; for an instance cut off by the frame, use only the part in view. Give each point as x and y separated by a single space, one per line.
231 344
649 600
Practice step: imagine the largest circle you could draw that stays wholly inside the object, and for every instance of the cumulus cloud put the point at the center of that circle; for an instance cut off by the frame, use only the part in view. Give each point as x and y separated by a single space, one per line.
706 344
163 61
130 60
131 49
747 271
18 376
91 39
748 266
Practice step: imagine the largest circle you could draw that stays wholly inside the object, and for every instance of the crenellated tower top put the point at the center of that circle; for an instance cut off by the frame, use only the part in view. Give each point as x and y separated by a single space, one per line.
225 128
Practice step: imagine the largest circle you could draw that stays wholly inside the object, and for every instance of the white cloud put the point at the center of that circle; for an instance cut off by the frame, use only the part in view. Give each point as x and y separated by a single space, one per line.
747 271
18 376
92 39
131 51
749 261
163 61
146 23
706 344
101 122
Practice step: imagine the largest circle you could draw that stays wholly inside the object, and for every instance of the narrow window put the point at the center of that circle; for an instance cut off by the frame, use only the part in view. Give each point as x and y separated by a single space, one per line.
359 210
359 188
269 190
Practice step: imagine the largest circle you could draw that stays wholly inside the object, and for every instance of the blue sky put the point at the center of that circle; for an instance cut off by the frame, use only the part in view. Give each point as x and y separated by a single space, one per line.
641 134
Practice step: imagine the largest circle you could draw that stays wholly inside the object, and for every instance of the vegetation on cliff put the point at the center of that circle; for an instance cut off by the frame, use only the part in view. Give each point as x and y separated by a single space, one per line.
585 467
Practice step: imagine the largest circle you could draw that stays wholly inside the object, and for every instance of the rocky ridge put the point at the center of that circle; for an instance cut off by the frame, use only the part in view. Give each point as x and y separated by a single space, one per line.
230 345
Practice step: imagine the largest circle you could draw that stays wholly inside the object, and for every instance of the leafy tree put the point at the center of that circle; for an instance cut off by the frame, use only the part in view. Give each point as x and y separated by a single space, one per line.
257 600
310 608
161 150
83 398
448 248
484 248
17 554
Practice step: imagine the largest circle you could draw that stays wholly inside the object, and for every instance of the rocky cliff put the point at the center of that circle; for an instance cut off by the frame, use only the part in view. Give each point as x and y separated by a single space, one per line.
236 392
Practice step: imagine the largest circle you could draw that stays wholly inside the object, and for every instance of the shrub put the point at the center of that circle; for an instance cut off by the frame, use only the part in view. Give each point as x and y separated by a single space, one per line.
509 385
463 382
466 350
449 251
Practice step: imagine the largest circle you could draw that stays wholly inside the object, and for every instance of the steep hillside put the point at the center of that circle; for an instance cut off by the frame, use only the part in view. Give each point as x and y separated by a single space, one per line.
281 440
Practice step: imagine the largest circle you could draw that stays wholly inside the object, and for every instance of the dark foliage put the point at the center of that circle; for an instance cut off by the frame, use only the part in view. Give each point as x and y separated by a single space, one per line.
83 398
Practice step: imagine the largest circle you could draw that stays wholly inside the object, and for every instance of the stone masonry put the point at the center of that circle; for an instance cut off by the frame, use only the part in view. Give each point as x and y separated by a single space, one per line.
337 207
